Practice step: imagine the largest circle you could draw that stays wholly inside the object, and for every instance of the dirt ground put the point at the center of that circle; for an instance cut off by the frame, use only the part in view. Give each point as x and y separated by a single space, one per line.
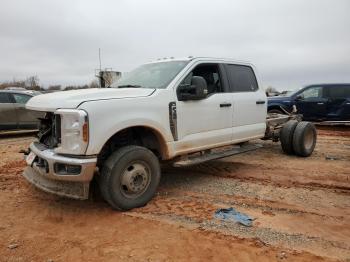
301 208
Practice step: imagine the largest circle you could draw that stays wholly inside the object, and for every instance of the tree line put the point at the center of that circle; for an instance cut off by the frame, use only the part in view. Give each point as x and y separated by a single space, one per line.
33 83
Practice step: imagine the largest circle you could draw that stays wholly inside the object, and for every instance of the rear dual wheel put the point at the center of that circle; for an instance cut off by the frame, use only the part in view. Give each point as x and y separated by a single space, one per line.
298 138
304 139
286 136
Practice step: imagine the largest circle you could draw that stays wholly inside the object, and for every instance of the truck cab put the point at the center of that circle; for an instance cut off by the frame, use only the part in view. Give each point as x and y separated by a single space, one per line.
230 109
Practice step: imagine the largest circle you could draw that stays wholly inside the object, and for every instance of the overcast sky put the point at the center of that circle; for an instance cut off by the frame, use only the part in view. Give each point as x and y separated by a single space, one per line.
291 42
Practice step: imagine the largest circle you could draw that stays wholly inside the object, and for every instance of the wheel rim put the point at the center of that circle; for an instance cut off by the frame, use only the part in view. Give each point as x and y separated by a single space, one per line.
135 179
309 139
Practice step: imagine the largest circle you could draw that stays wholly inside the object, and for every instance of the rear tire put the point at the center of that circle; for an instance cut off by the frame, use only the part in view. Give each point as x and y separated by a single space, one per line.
304 139
130 177
286 136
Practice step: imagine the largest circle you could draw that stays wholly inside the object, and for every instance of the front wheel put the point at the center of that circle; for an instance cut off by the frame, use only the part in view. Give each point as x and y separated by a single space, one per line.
129 178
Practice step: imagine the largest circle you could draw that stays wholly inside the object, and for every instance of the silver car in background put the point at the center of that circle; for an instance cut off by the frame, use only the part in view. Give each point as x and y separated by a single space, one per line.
13 114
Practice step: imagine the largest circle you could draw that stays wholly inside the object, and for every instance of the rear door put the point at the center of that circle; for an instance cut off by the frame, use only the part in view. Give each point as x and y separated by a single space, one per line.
8 117
338 106
312 103
249 103
26 118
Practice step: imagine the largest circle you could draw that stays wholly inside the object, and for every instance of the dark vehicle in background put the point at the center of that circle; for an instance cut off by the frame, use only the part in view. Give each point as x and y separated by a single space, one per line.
323 102
13 114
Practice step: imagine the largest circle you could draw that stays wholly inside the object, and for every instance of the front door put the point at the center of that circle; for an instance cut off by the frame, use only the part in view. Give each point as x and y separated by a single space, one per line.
312 104
207 122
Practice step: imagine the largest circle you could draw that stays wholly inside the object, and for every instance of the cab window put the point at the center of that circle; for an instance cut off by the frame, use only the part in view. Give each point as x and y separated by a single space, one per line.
339 92
211 74
312 92
4 98
21 99
241 78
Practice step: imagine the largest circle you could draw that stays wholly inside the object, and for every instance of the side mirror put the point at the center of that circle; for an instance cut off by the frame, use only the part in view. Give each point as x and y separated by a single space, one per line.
298 98
196 91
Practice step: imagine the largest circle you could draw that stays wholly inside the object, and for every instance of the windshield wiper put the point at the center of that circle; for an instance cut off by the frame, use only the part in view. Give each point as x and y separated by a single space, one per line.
131 86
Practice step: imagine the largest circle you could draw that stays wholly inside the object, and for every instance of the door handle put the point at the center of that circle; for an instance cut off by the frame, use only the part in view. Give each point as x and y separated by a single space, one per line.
260 102
320 103
225 104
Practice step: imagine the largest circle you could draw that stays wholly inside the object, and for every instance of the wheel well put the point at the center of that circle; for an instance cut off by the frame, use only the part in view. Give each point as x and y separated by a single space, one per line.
278 107
138 135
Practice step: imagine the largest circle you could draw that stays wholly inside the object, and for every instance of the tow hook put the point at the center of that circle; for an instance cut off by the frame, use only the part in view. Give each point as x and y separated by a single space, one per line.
24 152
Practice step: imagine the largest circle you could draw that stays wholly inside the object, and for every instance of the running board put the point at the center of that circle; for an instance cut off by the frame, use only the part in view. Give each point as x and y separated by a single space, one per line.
194 160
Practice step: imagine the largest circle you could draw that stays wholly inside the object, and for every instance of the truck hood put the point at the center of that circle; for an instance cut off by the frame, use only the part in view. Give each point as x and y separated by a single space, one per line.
72 99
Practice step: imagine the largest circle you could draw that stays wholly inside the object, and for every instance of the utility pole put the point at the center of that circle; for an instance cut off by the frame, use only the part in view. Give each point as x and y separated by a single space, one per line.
99 57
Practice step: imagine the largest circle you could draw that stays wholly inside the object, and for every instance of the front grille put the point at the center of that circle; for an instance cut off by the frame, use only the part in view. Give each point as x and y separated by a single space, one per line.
50 130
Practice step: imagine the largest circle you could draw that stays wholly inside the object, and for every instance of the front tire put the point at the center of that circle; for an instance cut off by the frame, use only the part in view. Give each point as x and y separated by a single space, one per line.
129 178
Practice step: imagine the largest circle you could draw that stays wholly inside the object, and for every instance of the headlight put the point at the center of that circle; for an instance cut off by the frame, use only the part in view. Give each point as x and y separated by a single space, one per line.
74 131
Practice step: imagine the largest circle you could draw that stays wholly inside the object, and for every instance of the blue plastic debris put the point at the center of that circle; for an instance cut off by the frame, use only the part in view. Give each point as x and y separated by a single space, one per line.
233 215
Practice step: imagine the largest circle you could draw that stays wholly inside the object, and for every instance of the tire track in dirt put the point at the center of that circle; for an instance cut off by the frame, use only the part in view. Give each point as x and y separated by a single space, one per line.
268 207
269 165
342 131
196 211
290 177
293 208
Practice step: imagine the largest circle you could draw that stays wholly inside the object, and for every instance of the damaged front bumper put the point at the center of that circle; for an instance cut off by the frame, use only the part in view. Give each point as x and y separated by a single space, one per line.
61 175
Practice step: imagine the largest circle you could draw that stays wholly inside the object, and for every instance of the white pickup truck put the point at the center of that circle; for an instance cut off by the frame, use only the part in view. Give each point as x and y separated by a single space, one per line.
183 111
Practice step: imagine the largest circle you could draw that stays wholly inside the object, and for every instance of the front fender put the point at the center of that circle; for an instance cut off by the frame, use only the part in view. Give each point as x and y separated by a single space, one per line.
108 117
95 148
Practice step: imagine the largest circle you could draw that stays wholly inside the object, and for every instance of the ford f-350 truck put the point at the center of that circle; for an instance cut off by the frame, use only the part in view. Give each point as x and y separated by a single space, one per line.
182 111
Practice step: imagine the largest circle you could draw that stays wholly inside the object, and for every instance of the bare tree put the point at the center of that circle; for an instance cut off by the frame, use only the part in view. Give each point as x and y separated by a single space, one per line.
32 83
54 87
13 83
76 87
94 84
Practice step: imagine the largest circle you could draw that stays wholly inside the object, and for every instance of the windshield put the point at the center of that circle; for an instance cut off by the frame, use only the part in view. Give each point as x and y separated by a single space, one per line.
154 75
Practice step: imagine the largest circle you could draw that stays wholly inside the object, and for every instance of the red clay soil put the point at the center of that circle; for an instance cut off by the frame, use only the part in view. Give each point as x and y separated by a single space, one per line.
301 208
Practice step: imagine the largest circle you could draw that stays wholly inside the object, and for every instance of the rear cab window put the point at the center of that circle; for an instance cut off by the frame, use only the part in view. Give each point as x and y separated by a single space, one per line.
241 78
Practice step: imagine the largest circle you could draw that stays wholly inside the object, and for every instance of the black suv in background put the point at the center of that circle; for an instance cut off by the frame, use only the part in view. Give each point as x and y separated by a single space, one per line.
323 102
